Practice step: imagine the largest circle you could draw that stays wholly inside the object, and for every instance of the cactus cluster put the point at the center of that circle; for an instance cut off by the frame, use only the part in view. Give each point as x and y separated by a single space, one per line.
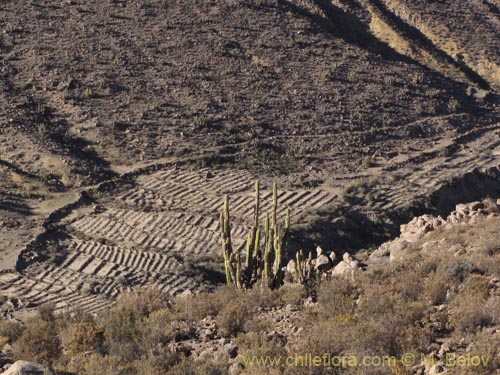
263 252
305 272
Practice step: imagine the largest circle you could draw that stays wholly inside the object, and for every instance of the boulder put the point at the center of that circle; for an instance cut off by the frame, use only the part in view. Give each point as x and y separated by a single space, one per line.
342 268
290 267
436 369
323 263
397 249
231 350
431 246
474 206
420 226
381 255
353 263
28 368
461 210
236 368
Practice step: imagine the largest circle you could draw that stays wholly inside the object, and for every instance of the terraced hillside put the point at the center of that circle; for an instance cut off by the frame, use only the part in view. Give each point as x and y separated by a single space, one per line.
145 235
161 227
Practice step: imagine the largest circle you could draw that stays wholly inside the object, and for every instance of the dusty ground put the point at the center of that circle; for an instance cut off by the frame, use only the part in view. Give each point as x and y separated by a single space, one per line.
146 113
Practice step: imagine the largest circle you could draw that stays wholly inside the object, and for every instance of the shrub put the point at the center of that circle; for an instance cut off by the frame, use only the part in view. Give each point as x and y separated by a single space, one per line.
10 330
459 270
204 367
435 288
83 337
196 307
38 342
109 365
337 297
486 346
469 314
318 340
293 294
259 345
123 322
232 317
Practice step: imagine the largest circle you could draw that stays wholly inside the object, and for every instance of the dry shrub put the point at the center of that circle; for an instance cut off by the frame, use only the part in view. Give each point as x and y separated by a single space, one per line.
83 337
486 345
258 324
318 339
233 316
202 305
259 345
197 307
10 330
39 342
202 367
377 301
158 329
388 323
293 294
123 322
458 270
231 307
488 264
109 365
262 296
372 336
469 314
478 285
337 297
156 363
143 302
147 366
407 284
492 307
435 288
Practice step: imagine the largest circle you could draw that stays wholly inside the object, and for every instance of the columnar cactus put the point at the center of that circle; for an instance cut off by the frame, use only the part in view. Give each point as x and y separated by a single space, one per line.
230 261
305 273
262 259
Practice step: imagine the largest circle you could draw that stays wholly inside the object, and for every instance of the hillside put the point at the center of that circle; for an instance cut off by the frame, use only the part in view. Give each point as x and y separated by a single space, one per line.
124 123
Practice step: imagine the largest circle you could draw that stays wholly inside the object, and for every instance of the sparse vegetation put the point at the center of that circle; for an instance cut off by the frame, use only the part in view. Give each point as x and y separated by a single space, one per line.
418 78
453 105
367 162
384 311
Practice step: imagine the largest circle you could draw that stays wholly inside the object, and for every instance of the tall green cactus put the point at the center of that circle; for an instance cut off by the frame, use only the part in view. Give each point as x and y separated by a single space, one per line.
305 273
230 263
263 260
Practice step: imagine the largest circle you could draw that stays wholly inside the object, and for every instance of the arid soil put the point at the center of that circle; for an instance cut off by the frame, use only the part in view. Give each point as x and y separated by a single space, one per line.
124 123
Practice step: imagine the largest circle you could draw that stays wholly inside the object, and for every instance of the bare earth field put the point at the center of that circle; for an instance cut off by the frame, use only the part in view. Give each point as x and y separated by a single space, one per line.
123 124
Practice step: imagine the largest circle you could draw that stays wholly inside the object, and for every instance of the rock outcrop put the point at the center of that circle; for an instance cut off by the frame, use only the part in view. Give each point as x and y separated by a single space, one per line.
421 226
28 368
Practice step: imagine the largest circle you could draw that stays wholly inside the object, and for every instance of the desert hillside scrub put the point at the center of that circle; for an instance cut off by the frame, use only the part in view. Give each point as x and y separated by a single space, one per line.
430 302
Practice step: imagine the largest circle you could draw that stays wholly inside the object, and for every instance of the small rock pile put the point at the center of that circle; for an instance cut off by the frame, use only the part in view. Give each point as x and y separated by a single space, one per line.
421 226
328 265
470 212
